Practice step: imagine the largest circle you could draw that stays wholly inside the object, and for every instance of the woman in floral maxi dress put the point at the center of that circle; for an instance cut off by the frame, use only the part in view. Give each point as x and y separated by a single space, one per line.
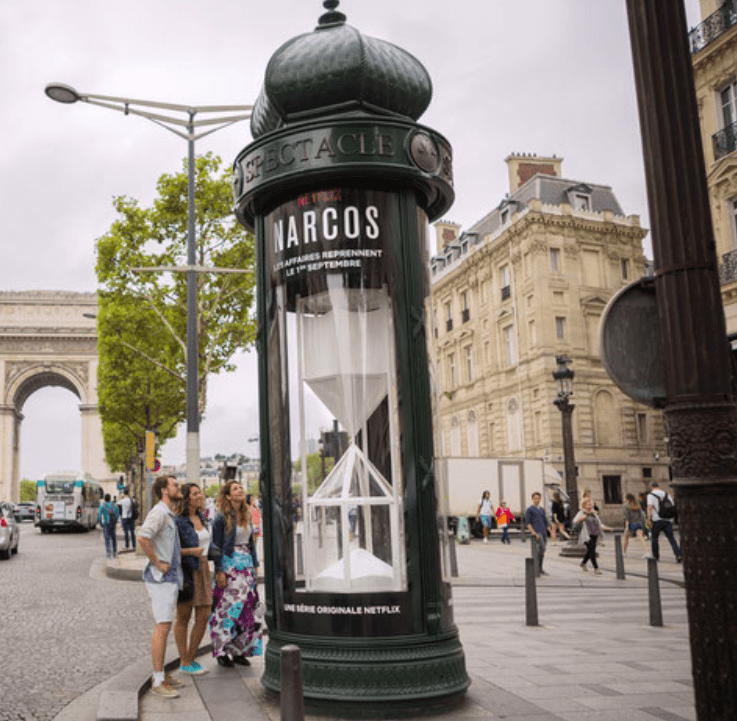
234 629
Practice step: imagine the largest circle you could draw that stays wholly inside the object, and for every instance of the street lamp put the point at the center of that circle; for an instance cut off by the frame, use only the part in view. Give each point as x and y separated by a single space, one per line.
563 376
184 127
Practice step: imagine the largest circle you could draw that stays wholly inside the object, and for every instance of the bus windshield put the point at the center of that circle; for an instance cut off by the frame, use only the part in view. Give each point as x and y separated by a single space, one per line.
59 487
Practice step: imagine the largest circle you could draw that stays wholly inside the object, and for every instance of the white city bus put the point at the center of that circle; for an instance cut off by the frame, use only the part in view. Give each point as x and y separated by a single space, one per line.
67 499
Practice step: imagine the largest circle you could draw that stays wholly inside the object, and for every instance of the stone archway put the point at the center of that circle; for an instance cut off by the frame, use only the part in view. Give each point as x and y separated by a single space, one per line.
47 338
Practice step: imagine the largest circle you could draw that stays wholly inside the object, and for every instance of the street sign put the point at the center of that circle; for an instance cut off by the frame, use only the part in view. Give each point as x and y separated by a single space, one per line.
629 343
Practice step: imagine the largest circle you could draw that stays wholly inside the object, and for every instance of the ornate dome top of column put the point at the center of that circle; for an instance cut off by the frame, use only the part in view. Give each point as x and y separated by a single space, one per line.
336 70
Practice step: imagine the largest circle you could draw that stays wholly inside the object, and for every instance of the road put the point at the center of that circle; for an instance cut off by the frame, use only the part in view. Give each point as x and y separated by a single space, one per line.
64 625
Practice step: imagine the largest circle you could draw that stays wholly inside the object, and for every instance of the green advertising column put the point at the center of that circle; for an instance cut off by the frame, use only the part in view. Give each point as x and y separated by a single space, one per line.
339 186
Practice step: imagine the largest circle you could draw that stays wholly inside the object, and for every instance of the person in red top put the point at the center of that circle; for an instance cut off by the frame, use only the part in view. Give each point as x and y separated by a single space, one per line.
503 518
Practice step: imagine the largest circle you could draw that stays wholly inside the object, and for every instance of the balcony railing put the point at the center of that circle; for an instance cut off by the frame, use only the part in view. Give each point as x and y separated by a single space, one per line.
725 141
715 25
728 267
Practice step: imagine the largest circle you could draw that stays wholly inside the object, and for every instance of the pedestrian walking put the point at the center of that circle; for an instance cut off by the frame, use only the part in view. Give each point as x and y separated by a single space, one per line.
234 629
128 516
591 529
483 514
159 541
558 517
658 524
537 524
107 517
634 523
194 538
255 512
503 518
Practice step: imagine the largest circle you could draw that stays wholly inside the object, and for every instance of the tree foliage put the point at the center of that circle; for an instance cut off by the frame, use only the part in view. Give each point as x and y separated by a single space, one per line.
142 320
27 490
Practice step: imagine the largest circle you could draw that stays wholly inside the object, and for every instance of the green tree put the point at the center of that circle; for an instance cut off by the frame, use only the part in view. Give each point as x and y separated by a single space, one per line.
27 490
315 470
142 322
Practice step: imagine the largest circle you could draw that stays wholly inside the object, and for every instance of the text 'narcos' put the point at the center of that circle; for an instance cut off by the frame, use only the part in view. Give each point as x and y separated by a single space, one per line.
327 224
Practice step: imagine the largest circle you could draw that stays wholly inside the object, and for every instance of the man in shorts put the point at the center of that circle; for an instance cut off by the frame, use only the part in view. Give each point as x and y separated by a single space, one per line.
159 540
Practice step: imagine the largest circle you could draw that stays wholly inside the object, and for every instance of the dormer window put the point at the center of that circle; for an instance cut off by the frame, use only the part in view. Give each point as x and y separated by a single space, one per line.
579 197
581 202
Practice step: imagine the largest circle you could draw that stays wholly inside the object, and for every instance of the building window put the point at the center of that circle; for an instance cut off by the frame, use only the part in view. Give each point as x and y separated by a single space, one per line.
560 328
451 371
538 418
469 363
581 201
733 220
465 310
504 216
647 472
504 281
532 340
642 435
487 352
511 356
555 260
625 268
448 317
728 98
612 489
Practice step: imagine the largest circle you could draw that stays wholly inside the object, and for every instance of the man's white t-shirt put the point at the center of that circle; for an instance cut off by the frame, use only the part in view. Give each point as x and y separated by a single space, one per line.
653 500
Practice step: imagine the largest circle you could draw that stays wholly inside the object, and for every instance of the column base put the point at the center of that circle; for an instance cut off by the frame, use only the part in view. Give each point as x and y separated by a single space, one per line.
375 678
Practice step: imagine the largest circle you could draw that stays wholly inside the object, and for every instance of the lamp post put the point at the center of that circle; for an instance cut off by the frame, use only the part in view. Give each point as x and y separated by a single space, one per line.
564 378
185 127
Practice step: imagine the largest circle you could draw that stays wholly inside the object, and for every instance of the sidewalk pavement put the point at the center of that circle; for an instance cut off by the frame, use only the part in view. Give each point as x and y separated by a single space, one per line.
594 656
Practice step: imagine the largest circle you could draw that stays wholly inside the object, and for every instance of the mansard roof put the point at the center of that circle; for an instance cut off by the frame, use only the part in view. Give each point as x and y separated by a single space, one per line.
549 190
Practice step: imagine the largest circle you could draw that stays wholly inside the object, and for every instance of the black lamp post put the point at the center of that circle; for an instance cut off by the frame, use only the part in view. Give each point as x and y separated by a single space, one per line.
564 378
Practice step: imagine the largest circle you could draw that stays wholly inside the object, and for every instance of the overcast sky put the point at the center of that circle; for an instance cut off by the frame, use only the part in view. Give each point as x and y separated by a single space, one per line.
543 76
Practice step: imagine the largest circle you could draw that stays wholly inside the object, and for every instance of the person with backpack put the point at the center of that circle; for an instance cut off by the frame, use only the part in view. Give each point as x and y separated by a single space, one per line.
107 517
661 510
128 515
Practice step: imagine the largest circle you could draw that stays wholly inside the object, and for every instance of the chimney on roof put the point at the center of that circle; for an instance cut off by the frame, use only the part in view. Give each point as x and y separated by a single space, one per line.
524 166
446 232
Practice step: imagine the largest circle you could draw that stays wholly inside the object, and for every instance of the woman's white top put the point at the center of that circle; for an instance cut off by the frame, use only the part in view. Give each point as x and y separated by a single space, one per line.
204 541
242 535
486 507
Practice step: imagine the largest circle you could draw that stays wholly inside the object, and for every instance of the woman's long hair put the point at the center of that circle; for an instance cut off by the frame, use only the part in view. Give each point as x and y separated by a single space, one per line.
242 514
632 501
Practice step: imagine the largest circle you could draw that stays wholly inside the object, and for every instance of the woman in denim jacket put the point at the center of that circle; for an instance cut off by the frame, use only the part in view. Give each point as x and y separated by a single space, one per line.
194 539
234 629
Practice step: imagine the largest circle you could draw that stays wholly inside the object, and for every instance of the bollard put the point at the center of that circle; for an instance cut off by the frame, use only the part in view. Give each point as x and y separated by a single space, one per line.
530 593
291 698
653 587
535 557
619 556
453 557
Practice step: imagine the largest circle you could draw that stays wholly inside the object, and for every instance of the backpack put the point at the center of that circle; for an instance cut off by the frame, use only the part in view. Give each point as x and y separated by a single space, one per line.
109 514
666 508
134 509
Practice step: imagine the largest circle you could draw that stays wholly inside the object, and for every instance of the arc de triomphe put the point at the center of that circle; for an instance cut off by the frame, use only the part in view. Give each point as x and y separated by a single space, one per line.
46 340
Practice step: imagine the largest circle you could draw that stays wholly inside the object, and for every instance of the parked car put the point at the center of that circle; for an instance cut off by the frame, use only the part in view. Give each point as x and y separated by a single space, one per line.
9 531
25 512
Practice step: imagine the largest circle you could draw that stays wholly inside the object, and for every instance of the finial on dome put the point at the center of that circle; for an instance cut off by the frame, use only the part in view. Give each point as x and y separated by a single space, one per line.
332 16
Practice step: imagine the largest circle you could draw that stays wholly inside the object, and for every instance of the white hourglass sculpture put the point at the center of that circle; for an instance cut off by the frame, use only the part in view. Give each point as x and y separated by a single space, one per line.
345 342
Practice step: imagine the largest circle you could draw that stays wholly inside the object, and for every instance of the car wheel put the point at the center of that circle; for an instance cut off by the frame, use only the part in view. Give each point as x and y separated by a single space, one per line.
5 555
15 550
